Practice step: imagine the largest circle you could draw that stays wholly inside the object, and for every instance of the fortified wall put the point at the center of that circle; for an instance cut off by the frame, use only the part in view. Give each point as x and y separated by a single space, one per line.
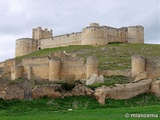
91 35
59 66
145 67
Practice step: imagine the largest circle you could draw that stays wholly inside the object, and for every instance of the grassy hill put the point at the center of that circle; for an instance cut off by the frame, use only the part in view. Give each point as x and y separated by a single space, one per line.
111 57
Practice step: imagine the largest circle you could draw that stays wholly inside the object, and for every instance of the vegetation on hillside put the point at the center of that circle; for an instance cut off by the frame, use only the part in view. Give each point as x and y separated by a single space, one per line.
111 57
81 107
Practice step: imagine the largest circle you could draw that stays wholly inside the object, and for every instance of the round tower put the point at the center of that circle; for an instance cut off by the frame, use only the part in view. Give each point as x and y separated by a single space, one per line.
138 65
54 69
25 46
94 35
92 66
135 34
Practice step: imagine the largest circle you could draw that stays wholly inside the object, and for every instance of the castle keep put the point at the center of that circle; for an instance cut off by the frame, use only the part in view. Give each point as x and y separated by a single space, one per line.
91 35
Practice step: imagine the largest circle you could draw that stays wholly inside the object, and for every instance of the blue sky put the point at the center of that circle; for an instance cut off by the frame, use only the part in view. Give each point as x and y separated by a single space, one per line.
18 17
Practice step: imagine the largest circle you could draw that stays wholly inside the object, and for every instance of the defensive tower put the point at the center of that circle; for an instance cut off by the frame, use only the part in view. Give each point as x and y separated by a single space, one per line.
25 46
135 34
39 33
94 35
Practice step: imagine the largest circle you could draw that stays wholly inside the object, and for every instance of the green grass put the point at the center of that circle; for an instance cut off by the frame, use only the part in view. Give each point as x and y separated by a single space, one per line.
111 80
84 108
111 57
97 114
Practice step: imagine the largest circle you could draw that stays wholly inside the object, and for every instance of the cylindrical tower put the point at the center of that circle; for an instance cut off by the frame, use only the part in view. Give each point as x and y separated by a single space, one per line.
135 34
94 35
25 46
54 69
138 65
92 66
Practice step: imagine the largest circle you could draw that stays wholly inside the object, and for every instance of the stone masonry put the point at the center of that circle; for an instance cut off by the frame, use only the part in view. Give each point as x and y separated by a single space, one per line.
91 35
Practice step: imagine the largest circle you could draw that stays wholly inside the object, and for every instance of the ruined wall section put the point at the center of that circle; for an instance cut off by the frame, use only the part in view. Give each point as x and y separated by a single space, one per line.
36 68
35 61
16 72
91 66
62 40
7 68
73 69
153 67
25 46
145 67
54 69
138 67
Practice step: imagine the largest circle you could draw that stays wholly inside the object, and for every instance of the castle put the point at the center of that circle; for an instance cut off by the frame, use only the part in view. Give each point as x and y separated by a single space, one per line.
91 35
59 66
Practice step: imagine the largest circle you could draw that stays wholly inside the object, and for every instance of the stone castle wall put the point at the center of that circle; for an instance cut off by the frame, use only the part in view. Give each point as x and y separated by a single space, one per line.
59 66
91 35
6 72
73 69
55 68
36 68
145 67
62 40
35 61
153 67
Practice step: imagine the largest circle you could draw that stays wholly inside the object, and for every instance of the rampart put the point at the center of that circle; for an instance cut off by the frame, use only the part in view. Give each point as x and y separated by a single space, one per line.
62 40
59 66
91 35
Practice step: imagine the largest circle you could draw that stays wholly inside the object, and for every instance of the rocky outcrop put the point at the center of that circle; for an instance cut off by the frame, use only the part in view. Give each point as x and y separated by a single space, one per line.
122 91
82 90
14 91
27 86
95 79
26 90
155 88
2 90
47 90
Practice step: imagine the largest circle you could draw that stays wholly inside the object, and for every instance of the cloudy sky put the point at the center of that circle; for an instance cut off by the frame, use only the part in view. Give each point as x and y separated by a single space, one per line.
18 17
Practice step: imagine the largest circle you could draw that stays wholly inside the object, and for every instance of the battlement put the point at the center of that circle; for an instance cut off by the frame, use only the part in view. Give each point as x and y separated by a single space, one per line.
39 33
